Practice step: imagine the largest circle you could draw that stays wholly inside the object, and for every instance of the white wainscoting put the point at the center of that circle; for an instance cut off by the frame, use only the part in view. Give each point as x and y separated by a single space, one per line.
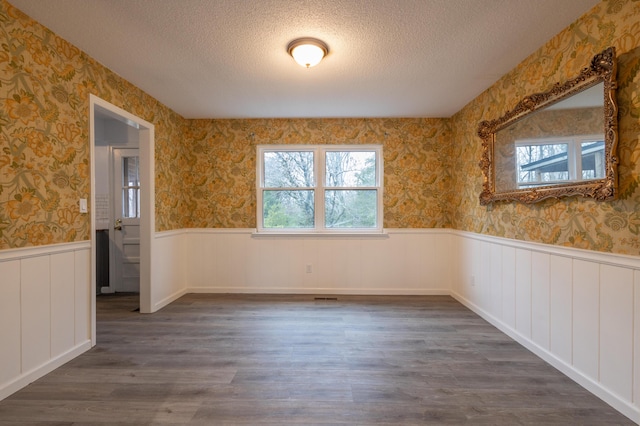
168 276
578 310
44 311
402 262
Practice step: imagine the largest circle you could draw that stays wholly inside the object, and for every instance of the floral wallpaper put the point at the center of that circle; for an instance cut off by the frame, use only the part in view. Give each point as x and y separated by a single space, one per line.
575 222
205 169
44 134
222 166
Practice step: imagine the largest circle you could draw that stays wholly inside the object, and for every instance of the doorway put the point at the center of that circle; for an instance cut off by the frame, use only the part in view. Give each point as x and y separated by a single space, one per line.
124 262
122 196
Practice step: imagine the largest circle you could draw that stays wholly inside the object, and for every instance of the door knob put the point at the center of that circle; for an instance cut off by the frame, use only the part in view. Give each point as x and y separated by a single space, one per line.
118 225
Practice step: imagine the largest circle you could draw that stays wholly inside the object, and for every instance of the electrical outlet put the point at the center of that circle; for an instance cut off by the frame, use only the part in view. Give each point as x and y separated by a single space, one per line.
309 269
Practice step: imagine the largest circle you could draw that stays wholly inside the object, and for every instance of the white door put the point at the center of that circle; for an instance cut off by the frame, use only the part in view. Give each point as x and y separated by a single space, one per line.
125 268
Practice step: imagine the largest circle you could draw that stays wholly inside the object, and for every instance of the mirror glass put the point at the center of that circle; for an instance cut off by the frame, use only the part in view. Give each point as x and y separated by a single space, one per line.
560 144
557 143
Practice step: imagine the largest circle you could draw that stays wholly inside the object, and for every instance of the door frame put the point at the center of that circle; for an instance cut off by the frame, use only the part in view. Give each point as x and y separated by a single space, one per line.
146 146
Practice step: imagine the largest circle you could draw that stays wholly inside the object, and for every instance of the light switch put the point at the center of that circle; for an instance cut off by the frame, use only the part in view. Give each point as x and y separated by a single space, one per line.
83 205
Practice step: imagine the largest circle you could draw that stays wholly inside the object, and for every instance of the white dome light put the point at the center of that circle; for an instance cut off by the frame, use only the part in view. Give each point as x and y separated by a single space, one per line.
308 52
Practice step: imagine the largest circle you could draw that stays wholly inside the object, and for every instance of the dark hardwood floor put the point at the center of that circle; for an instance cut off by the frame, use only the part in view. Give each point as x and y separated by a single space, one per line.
250 360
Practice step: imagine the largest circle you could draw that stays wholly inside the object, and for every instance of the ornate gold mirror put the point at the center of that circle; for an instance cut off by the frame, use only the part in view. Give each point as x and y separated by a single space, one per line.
557 143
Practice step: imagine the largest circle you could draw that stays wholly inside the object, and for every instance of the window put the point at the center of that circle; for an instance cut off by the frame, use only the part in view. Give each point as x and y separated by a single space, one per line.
558 160
131 187
328 188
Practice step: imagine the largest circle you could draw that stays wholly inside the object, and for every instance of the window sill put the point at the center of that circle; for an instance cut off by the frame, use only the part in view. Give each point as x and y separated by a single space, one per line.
293 234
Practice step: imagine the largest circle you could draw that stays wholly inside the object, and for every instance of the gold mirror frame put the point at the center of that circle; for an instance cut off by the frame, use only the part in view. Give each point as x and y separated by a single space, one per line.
601 70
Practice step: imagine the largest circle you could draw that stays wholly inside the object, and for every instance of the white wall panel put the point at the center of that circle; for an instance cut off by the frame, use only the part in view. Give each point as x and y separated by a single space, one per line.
540 298
35 299
328 263
438 266
82 296
473 271
40 312
560 308
586 316
236 270
10 321
473 283
214 257
455 249
396 266
277 257
636 339
204 264
355 263
44 304
405 262
310 257
495 272
583 308
296 268
197 252
509 286
62 302
523 292
348 264
469 253
483 281
417 253
616 329
375 256
464 271
168 272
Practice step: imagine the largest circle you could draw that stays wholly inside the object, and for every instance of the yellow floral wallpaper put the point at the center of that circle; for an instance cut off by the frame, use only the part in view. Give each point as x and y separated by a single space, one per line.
222 164
45 84
576 222
205 169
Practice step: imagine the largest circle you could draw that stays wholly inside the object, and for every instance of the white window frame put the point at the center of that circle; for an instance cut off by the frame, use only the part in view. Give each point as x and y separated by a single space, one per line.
574 157
319 189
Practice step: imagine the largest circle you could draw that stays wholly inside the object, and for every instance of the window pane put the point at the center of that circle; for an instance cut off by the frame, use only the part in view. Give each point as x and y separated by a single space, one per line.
288 209
130 168
349 168
131 202
130 187
350 208
592 159
542 164
288 169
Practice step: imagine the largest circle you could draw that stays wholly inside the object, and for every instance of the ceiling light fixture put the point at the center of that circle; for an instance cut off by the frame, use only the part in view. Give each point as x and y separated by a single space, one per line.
308 52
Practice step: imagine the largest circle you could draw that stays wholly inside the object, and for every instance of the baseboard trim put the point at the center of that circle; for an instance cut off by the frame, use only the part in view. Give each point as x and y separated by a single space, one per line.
321 290
169 299
632 412
25 379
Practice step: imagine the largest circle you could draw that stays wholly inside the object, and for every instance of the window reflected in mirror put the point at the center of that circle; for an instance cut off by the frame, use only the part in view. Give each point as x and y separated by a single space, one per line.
546 147
557 143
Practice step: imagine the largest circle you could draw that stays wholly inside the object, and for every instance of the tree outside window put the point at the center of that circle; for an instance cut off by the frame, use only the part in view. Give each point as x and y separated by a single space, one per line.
319 188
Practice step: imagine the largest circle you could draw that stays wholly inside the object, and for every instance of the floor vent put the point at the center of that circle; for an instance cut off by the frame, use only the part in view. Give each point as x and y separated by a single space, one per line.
325 298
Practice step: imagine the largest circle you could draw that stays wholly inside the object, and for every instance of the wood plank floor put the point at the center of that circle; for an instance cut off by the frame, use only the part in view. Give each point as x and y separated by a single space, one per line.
249 360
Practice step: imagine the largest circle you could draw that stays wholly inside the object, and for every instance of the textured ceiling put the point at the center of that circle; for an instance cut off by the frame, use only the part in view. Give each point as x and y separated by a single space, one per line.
388 58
